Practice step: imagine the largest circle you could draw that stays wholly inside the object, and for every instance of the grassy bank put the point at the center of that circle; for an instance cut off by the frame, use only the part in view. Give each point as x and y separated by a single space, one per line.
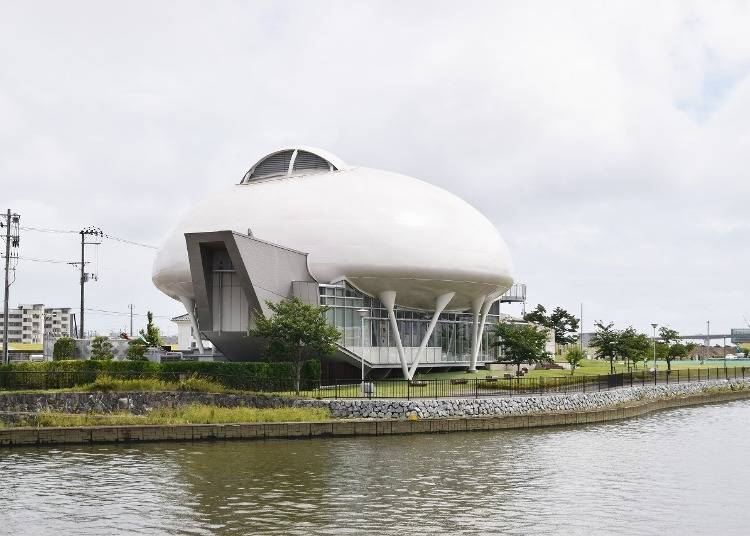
192 414
589 367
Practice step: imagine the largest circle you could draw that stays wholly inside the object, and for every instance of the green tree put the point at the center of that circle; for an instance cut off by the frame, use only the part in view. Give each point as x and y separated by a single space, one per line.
564 324
606 341
633 346
151 334
136 350
522 343
670 338
538 315
64 348
676 351
101 349
574 356
296 330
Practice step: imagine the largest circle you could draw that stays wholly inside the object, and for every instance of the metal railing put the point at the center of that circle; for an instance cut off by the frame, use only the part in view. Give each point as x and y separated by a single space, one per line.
489 386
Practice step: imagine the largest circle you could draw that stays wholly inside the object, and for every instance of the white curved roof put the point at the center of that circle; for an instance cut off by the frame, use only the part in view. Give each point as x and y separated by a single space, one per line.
377 229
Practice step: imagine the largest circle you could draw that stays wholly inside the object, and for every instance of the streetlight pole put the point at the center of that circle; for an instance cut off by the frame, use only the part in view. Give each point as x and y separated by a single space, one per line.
362 313
654 326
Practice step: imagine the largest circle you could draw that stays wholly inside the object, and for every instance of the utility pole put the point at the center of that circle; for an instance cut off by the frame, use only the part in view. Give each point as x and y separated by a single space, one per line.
12 240
93 231
131 319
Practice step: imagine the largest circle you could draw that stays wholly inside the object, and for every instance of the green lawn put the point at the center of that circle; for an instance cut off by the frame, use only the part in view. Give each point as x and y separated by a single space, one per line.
587 367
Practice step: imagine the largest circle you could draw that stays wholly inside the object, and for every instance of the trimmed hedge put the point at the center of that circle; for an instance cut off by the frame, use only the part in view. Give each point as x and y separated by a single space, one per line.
252 376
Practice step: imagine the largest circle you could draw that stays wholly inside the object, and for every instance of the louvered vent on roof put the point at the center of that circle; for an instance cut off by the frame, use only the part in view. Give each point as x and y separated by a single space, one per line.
307 161
276 164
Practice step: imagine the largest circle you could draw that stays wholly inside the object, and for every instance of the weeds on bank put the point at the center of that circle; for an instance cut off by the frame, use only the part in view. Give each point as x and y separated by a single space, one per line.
193 383
190 414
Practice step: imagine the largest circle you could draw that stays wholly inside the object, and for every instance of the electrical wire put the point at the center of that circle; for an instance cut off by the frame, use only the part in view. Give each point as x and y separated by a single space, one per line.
33 259
121 313
131 242
44 230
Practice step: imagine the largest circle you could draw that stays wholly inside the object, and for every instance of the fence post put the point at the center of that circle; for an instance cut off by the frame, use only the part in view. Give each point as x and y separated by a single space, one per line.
436 388
408 389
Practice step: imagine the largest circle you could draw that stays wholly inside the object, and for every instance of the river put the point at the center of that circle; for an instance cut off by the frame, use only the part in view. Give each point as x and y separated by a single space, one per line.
682 471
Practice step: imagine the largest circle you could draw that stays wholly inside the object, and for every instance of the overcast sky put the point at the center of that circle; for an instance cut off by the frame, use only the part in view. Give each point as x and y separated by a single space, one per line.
609 142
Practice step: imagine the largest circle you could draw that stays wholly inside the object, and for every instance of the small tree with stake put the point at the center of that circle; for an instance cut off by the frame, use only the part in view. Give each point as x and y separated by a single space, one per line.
574 357
523 343
296 329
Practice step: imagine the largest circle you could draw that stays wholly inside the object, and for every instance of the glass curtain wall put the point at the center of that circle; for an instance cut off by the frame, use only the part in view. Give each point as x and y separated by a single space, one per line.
452 334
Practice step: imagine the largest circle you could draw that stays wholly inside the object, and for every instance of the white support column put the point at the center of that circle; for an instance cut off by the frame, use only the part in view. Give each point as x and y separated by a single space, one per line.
388 297
476 307
441 303
190 307
482 321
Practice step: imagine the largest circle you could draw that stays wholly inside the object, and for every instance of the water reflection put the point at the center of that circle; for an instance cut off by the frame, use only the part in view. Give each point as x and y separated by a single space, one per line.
677 472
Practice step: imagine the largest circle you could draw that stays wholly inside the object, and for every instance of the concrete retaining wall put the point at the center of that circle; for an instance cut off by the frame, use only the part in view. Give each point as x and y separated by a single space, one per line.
111 434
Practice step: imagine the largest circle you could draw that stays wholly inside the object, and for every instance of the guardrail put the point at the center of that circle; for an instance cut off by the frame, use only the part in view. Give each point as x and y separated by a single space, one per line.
353 388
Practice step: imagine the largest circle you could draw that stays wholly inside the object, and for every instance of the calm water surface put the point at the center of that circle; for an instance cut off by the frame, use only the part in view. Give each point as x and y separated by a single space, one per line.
680 472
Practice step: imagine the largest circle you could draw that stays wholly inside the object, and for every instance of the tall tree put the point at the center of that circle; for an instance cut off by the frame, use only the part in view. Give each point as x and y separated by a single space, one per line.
296 330
565 326
606 341
538 315
633 346
523 343
151 334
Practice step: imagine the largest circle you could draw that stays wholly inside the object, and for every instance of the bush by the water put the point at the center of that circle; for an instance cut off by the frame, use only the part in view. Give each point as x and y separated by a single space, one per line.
251 376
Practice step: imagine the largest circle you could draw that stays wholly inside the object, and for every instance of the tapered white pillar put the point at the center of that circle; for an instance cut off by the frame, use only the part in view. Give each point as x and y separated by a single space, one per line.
441 303
190 308
476 309
388 297
477 347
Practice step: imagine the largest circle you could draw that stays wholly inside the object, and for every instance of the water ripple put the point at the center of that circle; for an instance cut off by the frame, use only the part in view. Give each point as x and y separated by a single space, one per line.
676 472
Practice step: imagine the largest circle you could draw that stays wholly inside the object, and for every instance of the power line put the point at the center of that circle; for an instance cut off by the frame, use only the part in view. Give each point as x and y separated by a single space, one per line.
131 242
44 230
33 259
111 237
122 313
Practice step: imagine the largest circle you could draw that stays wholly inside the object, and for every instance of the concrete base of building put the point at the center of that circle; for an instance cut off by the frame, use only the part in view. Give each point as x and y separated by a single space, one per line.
340 428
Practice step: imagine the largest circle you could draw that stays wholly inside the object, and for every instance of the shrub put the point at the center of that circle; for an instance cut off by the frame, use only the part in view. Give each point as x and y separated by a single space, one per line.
65 348
101 349
136 350
247 376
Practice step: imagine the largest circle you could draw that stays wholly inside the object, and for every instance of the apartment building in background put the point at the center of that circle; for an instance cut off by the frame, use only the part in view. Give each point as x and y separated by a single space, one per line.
30 323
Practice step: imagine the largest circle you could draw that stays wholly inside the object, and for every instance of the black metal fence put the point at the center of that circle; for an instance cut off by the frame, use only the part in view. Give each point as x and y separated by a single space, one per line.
353 388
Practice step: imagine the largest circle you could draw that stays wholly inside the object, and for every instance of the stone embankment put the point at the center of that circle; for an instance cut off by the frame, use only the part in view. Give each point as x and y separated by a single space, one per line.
141 402
521 405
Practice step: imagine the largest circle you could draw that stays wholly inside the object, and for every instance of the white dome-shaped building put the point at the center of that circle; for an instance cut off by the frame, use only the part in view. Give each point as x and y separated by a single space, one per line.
399 247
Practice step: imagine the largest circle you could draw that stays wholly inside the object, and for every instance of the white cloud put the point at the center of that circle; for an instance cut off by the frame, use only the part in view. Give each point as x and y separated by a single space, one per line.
608 141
